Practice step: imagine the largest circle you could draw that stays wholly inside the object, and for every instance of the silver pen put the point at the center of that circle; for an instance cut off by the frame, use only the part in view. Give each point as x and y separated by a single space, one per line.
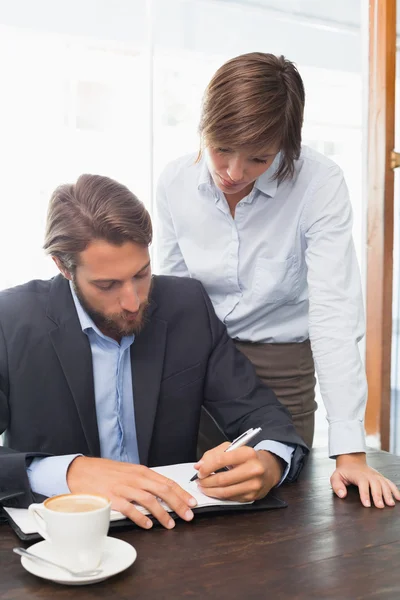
240 441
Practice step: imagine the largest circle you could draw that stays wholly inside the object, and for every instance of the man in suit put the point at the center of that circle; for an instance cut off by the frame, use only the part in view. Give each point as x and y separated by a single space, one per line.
104 370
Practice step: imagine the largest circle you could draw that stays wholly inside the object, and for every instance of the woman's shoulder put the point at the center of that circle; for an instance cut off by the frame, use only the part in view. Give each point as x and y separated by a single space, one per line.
312 163
179 169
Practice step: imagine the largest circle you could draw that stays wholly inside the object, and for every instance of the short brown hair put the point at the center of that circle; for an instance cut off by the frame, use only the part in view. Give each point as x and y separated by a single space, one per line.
255 100
95 207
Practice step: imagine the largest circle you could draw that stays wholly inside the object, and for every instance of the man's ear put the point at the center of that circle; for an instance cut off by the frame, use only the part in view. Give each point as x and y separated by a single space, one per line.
64 272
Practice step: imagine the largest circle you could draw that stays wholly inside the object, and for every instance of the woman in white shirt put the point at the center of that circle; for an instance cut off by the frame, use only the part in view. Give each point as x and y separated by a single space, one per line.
266 225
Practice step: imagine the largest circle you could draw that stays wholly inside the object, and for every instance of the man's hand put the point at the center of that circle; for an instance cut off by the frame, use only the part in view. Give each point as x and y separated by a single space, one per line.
251 477
353 469
123 483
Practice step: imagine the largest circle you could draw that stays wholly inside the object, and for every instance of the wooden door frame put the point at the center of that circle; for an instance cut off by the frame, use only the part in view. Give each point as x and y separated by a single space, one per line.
381 122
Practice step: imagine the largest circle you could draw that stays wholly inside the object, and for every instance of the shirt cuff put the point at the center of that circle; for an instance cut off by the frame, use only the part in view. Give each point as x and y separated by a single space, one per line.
48 476
346 437
282 450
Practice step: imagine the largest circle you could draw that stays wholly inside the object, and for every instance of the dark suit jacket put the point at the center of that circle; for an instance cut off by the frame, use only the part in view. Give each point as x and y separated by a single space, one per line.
182 359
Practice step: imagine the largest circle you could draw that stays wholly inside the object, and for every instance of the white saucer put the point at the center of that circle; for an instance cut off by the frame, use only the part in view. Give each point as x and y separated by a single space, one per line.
117 557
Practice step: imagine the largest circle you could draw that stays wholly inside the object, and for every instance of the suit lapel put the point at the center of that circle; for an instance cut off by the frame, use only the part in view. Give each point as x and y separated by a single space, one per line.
147 359
73 350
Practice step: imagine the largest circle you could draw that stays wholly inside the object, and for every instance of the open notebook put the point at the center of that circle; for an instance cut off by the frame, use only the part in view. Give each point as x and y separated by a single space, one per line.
182 474
25 527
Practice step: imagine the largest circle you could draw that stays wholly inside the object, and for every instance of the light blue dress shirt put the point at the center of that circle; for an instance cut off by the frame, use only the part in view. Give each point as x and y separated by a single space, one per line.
113 392
284 269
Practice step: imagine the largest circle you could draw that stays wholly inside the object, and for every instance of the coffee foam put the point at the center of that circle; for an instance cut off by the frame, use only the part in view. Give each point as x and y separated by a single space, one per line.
71 503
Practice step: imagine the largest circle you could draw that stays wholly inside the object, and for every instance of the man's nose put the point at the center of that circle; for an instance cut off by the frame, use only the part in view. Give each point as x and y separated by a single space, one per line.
129 299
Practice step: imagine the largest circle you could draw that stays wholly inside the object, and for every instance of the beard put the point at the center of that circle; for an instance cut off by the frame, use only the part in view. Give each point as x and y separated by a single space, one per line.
115 325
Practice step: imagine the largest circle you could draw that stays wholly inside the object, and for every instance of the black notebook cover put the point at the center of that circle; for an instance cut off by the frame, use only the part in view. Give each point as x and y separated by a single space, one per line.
268 503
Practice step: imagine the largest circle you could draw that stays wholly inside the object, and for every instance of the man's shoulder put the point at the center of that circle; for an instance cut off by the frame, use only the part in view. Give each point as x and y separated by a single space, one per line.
170 284
177 294
27 294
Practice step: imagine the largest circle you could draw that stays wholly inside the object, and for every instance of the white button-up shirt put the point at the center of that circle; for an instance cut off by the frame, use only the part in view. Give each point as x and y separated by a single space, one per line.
283 270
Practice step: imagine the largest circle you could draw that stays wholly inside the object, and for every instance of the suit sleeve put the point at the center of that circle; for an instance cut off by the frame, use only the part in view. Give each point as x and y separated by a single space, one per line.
14 482
237 399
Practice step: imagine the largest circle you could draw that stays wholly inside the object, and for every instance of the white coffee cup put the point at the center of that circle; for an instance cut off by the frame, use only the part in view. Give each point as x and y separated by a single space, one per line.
76 526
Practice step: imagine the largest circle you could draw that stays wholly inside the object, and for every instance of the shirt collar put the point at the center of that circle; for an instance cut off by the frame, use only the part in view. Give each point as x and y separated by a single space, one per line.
84 319
205 180
265 183
86 322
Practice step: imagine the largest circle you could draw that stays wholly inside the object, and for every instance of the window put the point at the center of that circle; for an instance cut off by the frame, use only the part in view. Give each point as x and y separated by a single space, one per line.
115 88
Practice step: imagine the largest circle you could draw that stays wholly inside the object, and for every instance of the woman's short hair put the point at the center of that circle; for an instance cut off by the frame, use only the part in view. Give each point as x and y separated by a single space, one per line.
255 101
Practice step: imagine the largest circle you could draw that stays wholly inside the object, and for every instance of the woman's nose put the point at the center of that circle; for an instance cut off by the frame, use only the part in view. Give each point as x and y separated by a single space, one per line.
235 171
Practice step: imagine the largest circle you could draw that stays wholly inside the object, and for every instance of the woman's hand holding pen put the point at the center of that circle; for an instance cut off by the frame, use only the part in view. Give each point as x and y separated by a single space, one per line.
251 476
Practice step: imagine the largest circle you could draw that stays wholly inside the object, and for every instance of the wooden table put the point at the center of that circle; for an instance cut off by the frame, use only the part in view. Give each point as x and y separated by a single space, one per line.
318 547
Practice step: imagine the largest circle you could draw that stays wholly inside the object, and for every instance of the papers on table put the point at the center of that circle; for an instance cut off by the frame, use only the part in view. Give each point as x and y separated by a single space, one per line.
180 473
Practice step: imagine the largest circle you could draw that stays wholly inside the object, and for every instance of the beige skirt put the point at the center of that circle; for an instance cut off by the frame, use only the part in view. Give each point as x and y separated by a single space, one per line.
288 369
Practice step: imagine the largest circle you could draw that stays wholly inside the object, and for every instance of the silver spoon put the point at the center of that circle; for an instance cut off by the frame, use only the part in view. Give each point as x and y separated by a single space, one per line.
35 558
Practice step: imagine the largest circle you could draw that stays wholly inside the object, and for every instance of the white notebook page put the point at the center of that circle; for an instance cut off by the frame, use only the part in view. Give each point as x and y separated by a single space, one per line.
181 473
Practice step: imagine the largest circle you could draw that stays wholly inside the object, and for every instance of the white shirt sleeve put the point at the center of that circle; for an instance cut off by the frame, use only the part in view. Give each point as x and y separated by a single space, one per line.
336 315
282 450
169 259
